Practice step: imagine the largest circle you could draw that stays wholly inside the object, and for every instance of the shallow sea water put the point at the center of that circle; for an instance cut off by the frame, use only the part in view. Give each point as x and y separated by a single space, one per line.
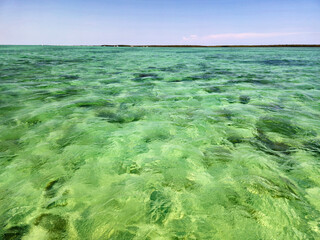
159 143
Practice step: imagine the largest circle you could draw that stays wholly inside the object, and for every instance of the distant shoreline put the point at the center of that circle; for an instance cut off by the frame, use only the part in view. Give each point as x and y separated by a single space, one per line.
217 46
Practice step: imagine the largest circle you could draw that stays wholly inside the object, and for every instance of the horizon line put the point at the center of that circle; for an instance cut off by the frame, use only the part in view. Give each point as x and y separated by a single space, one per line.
170 45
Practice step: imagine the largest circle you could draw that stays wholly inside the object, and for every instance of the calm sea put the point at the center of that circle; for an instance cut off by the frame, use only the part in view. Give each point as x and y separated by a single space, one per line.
159 143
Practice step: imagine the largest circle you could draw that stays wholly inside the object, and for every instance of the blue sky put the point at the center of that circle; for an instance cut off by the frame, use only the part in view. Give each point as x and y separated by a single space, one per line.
159 22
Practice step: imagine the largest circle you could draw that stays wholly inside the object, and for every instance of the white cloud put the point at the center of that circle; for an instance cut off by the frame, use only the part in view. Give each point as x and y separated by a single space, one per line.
235 36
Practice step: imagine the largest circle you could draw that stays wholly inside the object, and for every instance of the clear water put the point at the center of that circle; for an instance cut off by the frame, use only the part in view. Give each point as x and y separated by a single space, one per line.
159 143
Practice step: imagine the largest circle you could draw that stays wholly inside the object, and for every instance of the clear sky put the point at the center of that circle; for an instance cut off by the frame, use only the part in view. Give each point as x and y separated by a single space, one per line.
207 22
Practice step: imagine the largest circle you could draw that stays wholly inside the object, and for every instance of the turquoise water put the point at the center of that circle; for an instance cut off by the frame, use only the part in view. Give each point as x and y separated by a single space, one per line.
159 143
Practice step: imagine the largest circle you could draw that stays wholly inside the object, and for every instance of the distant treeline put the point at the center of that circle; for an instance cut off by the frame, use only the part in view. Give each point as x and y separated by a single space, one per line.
292 45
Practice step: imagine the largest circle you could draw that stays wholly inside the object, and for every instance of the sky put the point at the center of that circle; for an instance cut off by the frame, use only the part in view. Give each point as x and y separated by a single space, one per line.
203 22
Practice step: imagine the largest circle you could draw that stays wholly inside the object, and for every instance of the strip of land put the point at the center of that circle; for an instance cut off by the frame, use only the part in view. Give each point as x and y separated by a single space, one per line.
184 46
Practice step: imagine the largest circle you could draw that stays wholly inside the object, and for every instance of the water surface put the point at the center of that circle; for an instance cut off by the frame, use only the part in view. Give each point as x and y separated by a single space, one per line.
159 143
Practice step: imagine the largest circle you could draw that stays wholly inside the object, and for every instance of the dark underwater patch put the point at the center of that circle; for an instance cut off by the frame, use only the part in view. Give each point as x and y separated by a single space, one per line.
256 79
53 187
159 207
156 136
281 62
278 125
222 72
70 77
226 113
244 99
173 69
123 116
313 146
63 93
5 109
263 143
285 62
110 117
52 223
110 81
191 78
252 81
213 57
15 69
234 139
46 62
141 77
273 107
203 76
94 103
213 89
32 120
175 80
15 232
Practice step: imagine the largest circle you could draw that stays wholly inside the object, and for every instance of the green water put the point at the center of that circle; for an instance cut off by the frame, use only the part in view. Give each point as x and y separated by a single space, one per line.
159 143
